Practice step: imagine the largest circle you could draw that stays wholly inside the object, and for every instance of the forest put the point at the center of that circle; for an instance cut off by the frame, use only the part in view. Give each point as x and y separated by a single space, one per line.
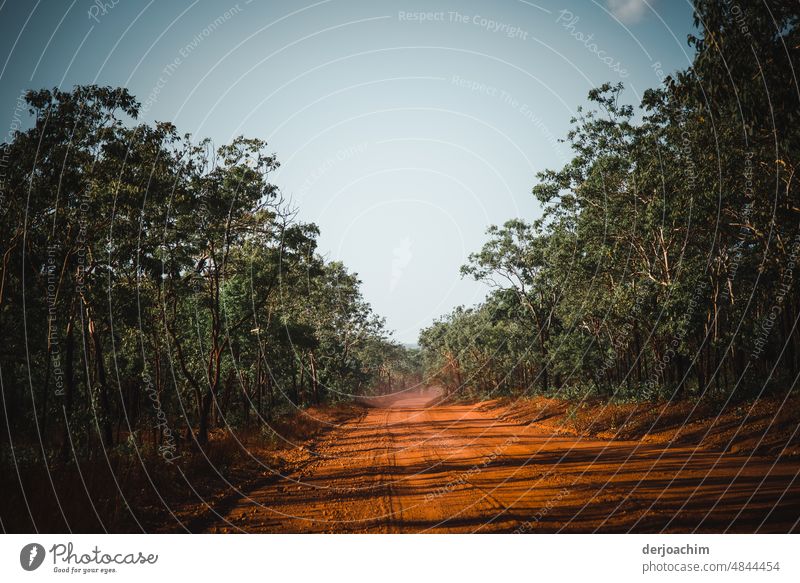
169 322
664 264
155 289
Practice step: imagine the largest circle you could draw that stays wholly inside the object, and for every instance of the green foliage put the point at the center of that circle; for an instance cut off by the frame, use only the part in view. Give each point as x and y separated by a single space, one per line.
665 262
167 287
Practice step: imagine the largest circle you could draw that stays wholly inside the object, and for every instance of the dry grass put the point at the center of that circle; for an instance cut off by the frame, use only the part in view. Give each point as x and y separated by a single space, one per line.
767 426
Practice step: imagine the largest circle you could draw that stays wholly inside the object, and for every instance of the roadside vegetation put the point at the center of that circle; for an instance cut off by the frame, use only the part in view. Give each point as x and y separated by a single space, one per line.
161 303
665 263
170 331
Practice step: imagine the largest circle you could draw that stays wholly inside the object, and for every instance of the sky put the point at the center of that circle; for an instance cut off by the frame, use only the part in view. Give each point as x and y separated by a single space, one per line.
404 129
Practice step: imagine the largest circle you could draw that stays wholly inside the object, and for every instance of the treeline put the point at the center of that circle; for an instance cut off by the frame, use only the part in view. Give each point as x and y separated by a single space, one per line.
666 259
154 288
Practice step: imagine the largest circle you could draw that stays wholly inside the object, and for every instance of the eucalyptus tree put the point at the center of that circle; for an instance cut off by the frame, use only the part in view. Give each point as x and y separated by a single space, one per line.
165 285
665 260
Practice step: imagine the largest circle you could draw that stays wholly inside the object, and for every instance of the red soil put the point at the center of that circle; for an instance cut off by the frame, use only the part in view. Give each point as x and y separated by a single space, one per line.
411 464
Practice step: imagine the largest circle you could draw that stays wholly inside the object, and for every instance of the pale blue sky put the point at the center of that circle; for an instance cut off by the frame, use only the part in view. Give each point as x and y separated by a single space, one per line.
402 136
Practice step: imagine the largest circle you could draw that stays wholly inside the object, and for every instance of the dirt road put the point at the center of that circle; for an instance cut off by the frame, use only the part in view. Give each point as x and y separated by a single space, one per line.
411 465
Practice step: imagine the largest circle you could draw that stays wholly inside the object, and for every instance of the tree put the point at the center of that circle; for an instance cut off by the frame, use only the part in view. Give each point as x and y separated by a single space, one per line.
664 262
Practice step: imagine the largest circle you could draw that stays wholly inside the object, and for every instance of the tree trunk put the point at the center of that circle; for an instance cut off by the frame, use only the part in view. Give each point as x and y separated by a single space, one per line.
204 414
105 405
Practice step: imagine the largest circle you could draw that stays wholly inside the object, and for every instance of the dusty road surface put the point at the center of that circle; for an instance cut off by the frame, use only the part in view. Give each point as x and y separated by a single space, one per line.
410 465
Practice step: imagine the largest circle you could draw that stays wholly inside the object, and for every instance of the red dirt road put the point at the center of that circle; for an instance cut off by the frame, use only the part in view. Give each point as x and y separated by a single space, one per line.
414 466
